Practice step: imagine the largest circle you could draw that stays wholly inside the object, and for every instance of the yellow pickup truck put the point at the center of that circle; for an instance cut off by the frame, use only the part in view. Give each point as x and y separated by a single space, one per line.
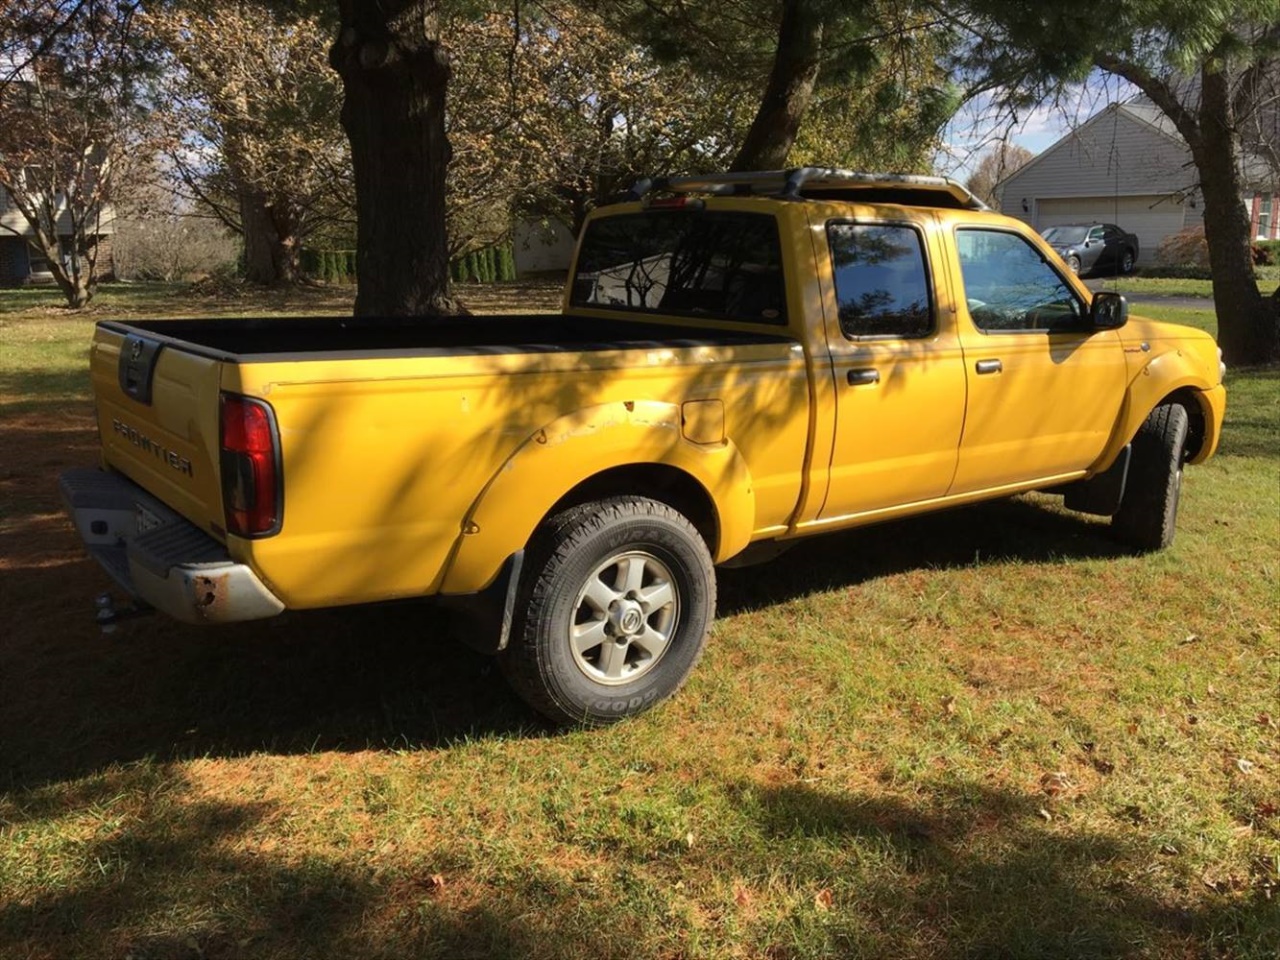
741 360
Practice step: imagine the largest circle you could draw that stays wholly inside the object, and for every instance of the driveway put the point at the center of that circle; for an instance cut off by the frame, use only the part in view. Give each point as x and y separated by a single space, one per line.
1154 299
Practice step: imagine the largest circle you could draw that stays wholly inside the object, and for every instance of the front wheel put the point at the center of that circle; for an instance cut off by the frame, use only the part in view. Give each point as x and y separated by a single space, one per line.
616 606
1149 510
1073 262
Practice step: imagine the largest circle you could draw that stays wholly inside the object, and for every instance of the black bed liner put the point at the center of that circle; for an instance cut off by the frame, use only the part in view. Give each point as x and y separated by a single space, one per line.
309 338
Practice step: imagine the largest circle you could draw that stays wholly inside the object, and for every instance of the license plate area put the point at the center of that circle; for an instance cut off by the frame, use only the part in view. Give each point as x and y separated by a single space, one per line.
145 521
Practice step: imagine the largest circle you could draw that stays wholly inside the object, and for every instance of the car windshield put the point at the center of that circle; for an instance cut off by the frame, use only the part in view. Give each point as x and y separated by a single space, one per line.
1066 234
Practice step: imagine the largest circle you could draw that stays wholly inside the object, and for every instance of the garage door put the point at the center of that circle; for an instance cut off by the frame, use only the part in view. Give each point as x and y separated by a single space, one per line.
1151 218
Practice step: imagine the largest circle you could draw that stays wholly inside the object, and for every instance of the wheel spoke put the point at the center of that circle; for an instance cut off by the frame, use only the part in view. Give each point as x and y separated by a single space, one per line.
613 657
599 594
630 598
651 641
630 574
656 597
590 634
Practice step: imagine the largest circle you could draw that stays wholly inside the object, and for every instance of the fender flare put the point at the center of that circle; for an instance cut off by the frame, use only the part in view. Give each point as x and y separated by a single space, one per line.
1163 375
574 448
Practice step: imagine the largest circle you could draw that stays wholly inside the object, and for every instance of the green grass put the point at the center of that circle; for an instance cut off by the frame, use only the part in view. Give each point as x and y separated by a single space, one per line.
1268 278
984 733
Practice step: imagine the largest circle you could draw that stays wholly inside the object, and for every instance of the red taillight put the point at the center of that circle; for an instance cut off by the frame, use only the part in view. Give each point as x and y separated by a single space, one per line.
250 474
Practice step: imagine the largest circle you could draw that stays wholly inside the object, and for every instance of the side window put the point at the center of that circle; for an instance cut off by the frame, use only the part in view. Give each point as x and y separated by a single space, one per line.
1009 286
882 283
1096 233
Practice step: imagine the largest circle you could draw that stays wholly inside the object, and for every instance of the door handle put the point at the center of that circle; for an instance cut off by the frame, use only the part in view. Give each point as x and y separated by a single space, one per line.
988 366
865 375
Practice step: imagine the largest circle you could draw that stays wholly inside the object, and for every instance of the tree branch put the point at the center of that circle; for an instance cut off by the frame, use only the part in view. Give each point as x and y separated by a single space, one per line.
1160 92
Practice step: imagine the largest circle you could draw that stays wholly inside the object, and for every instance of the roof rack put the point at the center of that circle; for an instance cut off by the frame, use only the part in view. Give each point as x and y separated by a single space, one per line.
789 184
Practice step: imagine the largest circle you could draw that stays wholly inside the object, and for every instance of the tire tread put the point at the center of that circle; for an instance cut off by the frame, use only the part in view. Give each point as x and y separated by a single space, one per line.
560 537
1149 511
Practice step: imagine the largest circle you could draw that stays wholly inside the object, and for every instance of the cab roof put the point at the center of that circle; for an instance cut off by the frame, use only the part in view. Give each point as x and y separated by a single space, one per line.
820 183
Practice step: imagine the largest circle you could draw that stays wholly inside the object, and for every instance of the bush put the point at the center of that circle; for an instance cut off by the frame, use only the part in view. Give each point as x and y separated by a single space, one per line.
175 247
1266 253
492 264
506 264
1184 249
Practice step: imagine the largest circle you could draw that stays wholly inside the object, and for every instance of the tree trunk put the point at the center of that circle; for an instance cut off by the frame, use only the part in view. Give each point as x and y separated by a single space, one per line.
78 286
1248 326
271 244
786 97
395 75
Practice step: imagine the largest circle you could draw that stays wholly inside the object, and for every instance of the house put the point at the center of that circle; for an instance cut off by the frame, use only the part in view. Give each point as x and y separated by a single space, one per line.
1126 165
22 263
542 246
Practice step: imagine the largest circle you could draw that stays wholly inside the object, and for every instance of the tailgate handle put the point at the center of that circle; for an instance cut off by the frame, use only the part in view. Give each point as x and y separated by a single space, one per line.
138 366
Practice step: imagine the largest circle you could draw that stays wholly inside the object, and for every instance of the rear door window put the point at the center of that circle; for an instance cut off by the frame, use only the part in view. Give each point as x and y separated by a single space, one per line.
724 266
882 281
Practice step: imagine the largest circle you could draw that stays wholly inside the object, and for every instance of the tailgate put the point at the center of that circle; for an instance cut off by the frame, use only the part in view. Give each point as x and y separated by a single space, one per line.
158 415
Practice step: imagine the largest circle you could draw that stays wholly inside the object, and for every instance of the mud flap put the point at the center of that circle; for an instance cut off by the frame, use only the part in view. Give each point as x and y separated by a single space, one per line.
488 615
1100 495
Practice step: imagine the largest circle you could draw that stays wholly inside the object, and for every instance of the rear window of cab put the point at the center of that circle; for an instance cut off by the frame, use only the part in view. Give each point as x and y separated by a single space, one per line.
698 263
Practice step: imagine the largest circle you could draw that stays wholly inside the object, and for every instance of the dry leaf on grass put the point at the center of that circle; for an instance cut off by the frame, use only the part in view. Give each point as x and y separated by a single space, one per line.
823 900
1054 783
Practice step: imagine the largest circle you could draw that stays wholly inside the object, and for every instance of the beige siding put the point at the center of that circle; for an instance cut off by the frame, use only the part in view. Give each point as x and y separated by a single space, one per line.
12 220
1151 218
1111 155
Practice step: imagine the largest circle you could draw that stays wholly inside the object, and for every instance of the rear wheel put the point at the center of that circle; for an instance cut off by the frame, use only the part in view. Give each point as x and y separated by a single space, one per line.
617 604
1149 510
1127 261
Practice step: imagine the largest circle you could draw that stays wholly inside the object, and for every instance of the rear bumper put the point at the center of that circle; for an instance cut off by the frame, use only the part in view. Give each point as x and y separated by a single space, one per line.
174 565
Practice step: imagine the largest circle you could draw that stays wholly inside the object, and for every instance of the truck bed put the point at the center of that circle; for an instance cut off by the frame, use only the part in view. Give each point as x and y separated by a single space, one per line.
285 338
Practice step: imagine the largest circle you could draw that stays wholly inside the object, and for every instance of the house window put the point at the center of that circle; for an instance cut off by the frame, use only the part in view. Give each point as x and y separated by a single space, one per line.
1264 217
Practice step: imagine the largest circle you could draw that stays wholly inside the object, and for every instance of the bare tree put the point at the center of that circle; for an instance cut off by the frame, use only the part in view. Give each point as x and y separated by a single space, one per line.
996 164
70 121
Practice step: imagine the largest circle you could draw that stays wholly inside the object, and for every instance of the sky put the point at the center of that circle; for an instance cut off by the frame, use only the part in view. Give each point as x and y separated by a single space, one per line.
979 126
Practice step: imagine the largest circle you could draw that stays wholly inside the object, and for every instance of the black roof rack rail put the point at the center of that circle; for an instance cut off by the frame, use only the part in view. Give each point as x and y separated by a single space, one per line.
788 184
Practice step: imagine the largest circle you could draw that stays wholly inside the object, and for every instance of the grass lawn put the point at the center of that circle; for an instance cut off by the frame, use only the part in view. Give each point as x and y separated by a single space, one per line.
1268 279
985 733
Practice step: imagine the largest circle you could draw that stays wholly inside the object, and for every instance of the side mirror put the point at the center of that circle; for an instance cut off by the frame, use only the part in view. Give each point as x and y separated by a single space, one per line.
1110 311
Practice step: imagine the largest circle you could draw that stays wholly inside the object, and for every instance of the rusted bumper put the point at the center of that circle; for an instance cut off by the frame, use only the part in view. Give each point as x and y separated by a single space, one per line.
160 557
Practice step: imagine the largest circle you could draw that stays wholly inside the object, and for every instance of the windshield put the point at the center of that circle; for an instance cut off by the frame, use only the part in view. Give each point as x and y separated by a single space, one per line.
1063 235
726 266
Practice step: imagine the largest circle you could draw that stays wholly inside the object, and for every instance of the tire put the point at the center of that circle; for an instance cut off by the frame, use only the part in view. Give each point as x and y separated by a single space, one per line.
1073 262
634 574
1149 509
1127 261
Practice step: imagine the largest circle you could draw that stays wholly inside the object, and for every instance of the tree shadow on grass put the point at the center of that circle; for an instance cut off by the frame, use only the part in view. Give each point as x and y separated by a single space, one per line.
77 701
953 870
1003 530
186 875
967 870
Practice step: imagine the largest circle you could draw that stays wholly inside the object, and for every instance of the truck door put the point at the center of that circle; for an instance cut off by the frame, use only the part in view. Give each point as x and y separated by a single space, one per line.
1044 388
897 362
